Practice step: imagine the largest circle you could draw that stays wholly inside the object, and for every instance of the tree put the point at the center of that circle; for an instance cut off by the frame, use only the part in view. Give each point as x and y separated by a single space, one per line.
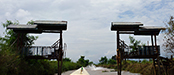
67 59
169 36
111 61
103 60
91 63
134 43
10 40
82 61
113 57
11 61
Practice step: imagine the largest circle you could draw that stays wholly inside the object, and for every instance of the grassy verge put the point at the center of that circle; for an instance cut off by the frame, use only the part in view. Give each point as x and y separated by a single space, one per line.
145 68
65 66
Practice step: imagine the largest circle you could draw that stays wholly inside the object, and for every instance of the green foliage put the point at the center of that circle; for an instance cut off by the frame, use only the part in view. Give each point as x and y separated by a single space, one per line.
11 60
113 57
67 59
90 63
70 66
10 39
111 61
30 22
82 61
131 61
144 61
103 60
35 67
12 63
134 43
67 65
144 68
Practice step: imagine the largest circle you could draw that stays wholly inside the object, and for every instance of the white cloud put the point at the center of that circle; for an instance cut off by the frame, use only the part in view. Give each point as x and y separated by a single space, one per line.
22 13
89 21
7 14
110 52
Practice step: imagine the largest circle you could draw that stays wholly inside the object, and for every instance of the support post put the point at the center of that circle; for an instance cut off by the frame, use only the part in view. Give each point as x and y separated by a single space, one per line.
18 41
152 45
42 51
37 51
21 42
171 57
158 59
60 54
153 53
154 66
58 66
118 54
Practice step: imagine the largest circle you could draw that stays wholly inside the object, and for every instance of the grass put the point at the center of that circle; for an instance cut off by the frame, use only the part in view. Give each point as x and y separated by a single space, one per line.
144 68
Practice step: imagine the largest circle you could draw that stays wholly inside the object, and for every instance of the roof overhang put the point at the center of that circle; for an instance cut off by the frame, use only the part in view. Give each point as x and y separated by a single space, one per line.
125 26
149 30
40 26
51 25
21 28
135 28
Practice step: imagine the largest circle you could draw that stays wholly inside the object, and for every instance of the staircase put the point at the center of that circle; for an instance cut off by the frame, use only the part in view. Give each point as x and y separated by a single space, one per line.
165 65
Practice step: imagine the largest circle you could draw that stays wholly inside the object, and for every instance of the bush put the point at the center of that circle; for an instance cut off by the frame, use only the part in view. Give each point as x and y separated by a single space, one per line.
66 66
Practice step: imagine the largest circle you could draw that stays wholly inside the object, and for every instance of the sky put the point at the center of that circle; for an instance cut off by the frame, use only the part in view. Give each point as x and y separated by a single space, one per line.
89 21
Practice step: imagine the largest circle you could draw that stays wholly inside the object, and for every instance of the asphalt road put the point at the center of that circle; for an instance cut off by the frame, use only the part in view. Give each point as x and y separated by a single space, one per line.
99 72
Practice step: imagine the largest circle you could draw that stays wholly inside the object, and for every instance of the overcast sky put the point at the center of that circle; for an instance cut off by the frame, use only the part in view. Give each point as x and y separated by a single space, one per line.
89 21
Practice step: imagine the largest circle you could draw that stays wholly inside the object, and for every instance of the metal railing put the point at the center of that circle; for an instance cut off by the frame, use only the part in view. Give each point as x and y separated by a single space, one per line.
140 51
38 50
144 50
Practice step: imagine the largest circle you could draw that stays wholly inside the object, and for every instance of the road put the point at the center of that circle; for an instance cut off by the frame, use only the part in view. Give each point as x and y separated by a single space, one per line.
99 72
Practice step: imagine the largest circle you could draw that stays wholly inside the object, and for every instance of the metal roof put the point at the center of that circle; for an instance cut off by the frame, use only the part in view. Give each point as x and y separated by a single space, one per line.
51 25
50 22
149 30
127 23
152 27
135 28
40 26
144 30
22 26
125 26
